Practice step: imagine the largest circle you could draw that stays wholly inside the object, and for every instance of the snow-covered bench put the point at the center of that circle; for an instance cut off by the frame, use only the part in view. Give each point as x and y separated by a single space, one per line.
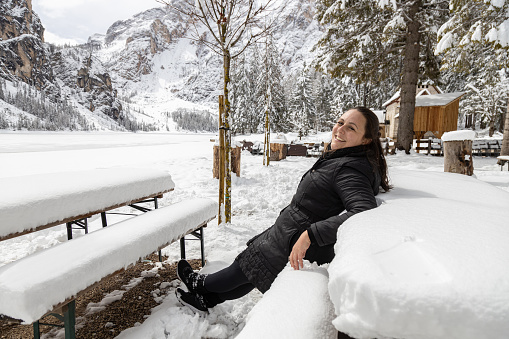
296 306
58 274
35 202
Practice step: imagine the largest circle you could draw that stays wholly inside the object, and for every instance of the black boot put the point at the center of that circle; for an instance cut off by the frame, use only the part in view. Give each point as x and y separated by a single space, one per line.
195 282
194 301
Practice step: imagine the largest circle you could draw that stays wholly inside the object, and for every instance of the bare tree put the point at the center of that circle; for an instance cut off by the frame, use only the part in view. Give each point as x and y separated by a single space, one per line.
234 25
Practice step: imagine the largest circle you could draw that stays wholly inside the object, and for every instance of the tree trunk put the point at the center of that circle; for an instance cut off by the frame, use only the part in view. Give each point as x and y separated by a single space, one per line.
505 141
228 139
409 79
278 152
221 158
458 157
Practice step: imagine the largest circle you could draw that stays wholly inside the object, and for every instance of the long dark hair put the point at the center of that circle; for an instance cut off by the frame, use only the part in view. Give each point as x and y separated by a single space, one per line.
375 152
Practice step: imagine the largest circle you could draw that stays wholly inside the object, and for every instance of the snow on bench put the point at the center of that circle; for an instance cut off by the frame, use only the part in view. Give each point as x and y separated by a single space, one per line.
430 262
296 306
43 200
32 286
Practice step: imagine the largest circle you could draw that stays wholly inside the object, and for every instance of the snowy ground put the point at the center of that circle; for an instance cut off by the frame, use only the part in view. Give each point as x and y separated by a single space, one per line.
258 196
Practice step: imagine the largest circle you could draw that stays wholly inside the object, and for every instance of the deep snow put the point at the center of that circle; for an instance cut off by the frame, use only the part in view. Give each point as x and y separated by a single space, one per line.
258 196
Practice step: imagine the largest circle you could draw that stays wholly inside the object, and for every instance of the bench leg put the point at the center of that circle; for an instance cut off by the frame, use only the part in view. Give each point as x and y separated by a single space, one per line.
103 219
70 320
202 247
183 248
37 330
199 236
69 230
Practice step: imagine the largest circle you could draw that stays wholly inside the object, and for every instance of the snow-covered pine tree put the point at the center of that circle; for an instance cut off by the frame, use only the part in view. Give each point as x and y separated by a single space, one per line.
269 89
302 108
369 40
474 43
278 108
322 97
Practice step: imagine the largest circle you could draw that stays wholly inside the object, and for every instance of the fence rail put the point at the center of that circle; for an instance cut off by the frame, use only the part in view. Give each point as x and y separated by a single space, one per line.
480 147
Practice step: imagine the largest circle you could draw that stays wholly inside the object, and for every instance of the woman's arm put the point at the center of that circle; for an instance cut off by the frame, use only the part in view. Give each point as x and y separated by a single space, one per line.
356 193
299 251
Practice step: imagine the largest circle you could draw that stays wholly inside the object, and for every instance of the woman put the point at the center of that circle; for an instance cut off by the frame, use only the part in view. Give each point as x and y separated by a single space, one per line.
346 177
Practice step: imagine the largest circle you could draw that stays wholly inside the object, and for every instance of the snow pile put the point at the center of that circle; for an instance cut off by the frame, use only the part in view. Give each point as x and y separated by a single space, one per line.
33 285
430 262
27 202
458 135
302 311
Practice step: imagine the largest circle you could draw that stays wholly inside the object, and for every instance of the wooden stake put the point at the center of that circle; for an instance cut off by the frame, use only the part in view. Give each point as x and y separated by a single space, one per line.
222 151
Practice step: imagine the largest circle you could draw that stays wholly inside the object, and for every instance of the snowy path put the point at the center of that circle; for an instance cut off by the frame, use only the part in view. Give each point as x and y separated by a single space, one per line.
258 196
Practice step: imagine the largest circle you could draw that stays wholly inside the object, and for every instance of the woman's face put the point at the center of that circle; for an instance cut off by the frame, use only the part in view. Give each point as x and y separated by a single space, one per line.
349 130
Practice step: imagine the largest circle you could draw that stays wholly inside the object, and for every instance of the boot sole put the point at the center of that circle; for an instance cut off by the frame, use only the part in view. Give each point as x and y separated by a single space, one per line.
179 277
194 309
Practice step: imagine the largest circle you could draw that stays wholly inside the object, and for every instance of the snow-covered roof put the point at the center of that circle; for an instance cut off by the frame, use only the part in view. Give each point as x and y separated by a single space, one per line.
422 92
437 99
394 97
380 115
27 202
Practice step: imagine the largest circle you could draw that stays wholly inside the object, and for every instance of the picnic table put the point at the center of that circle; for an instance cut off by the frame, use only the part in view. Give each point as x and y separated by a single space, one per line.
36 202
33 287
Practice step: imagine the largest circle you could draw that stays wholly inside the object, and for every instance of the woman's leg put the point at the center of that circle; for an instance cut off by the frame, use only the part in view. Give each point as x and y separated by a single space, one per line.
227 284
226 280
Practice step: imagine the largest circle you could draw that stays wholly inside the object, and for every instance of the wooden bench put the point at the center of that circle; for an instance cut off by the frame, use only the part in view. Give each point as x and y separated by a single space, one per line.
502 160
296 312
36 202
51 279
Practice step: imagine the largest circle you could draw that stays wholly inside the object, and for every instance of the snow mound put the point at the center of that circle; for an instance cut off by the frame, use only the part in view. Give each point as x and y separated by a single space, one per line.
458 135
430 262
302 311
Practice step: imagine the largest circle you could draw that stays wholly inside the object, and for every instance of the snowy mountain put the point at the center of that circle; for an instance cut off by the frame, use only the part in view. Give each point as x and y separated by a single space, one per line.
145 67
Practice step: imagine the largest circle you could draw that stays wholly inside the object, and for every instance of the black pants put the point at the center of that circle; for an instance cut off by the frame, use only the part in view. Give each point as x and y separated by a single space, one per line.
227 284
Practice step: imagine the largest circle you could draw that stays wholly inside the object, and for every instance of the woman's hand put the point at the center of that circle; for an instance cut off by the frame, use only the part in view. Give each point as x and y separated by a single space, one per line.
299 251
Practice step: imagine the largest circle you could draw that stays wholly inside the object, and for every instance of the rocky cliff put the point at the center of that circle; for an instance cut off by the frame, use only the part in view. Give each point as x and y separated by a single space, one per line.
22 51
24 56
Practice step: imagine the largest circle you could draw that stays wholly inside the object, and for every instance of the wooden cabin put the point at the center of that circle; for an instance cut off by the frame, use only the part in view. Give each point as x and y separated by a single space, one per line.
435 112
381 122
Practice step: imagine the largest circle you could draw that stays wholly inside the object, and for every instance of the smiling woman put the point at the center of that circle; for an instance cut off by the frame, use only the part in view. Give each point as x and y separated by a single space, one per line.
343 182
74 21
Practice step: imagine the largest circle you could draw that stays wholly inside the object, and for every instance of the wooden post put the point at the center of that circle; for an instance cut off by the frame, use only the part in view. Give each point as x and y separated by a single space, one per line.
458 157
235 155
235 163
278 151
266 148
221 159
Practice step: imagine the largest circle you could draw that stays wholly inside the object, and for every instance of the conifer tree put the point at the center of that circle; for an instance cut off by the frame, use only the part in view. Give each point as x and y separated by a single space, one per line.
368 40
474 43
302 107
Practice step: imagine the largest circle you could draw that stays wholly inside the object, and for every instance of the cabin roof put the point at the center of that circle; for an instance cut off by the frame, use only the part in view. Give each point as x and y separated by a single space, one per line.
437 99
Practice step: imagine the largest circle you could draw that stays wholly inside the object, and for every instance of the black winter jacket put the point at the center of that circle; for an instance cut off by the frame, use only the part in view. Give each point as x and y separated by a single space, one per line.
338 181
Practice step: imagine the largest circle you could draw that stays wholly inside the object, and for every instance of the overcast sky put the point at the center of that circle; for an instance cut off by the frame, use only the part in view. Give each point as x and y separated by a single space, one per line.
75 20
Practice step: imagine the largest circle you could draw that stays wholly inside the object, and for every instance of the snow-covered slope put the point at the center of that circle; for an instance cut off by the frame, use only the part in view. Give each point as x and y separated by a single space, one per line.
153 62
